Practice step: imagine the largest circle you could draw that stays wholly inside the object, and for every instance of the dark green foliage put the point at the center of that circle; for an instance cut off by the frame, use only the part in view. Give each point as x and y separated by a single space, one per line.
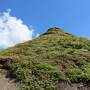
22 73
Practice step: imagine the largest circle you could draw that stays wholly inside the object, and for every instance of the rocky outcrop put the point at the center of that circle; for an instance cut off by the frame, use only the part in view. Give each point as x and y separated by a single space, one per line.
4 62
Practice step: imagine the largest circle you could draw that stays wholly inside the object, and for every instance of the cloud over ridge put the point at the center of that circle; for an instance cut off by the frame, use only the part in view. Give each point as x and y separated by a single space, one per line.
13 30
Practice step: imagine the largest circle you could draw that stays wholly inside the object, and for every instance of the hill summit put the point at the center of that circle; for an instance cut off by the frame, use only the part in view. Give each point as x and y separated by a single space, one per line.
54 30
46 61
57 31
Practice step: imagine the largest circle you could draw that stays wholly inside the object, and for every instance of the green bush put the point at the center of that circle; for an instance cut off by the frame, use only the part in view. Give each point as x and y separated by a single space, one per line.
22 73
47 71
86 70
74 74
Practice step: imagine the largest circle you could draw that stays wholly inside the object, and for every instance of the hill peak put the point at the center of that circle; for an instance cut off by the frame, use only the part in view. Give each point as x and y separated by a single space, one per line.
54 30
58 31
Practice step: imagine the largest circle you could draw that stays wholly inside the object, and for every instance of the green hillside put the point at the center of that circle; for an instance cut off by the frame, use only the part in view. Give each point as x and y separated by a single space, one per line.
44 62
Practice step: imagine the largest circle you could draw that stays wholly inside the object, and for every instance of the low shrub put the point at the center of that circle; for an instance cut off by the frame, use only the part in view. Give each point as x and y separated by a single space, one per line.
74 74
22 73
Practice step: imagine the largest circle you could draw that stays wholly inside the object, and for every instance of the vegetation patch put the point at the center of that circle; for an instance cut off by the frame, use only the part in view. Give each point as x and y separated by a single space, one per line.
52 58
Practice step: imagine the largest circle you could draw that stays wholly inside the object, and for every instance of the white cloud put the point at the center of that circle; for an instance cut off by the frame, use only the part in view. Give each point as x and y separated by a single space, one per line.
13 30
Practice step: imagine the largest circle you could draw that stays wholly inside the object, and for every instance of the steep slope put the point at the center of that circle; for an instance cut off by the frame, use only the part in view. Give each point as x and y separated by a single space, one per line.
46 61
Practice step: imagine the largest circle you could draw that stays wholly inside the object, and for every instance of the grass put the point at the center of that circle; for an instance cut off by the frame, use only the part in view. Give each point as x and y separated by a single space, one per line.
54 57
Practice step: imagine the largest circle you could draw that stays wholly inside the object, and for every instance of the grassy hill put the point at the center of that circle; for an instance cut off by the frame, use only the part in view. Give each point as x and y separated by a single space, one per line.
44 62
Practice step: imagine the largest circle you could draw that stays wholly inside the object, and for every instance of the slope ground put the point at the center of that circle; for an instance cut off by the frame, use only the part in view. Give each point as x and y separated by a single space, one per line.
7 83
52 58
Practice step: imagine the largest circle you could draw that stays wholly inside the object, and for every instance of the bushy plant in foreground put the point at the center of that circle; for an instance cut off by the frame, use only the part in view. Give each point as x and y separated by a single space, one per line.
74 74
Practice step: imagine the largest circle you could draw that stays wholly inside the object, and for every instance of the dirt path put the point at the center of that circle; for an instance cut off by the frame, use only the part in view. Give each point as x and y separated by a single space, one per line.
7 84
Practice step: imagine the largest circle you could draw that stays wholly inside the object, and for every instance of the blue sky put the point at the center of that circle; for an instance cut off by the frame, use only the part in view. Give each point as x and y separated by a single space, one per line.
71 15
